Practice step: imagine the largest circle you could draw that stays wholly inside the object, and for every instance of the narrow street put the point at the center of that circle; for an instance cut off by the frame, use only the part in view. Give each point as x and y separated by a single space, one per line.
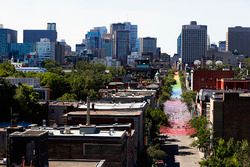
177 144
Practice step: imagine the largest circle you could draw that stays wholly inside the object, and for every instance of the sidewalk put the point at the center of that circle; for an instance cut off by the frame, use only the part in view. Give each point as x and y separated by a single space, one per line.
187 156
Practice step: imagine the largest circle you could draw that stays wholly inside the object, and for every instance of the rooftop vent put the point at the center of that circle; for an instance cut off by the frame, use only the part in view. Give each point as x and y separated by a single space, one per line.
67 130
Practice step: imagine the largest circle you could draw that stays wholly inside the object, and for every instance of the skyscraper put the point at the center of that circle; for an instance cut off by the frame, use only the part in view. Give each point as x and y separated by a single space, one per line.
194 42
133 33
7 36
179 45
32 36
121 46
20 50
238 40
45 50
148 45
94 40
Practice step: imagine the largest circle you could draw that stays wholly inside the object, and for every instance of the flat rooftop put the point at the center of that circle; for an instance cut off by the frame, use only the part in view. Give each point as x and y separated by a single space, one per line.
60 103
75 163
114 106
29 133
77 132
105 113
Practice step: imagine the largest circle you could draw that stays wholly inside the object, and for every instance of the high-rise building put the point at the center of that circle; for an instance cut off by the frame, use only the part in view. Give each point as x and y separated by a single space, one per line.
20 50
117 26
107 45
194 42
59 52
179 45
121 46
133 33
238 40
32 36
94 40
7 36
45 50
148 45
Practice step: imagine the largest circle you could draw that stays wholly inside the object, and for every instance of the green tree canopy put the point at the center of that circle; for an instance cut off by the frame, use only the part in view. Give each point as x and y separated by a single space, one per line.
6 69
68 97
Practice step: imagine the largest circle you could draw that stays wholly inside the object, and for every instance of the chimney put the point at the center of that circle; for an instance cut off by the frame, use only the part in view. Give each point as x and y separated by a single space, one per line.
88 112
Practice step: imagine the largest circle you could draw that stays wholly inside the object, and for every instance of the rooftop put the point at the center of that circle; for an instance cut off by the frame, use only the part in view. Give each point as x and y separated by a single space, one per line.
61 103
29 133
76 163
114 106
105 113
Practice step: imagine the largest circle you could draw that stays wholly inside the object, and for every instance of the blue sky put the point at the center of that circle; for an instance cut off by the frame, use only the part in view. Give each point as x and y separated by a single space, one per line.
157 18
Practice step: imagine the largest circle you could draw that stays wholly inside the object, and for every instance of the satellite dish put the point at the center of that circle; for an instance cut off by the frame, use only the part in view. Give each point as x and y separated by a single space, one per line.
197 62
209 62
219 62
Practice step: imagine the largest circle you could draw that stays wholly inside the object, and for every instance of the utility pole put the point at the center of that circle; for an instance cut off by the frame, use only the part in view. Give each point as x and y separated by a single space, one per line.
88 112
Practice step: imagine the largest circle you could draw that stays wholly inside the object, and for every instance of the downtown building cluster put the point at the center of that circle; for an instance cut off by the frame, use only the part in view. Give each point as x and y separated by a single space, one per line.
118 47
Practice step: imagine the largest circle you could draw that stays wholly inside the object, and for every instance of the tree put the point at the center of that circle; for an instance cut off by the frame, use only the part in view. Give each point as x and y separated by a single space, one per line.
6 69
154 118
189 97
229 153
68 97
27 108
7 92
203 134
247 63
155 153
57 84
52 66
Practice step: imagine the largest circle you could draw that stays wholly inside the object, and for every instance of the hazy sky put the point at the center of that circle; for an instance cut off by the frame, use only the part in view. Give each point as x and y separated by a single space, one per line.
156 18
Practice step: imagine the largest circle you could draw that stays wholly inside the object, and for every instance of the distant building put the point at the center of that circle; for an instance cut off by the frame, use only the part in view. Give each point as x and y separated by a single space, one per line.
31 59
194 42
33 36
238 40
107 44
94 40
179 45
227 58
222 46
230 116
7 36
206 79
20 50
133 33
148 45
59 53
121 46
45 50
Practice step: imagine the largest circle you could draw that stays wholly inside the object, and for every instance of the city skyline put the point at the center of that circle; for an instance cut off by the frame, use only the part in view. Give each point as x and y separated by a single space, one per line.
160 19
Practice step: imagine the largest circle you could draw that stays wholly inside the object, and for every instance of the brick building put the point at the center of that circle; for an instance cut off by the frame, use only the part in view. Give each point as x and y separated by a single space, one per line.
90 142
233 84
230 115
206 79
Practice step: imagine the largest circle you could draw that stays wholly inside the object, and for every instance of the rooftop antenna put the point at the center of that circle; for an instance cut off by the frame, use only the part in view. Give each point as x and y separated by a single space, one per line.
88 112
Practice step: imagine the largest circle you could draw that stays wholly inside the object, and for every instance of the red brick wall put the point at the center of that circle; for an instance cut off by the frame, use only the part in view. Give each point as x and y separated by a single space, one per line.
206 79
